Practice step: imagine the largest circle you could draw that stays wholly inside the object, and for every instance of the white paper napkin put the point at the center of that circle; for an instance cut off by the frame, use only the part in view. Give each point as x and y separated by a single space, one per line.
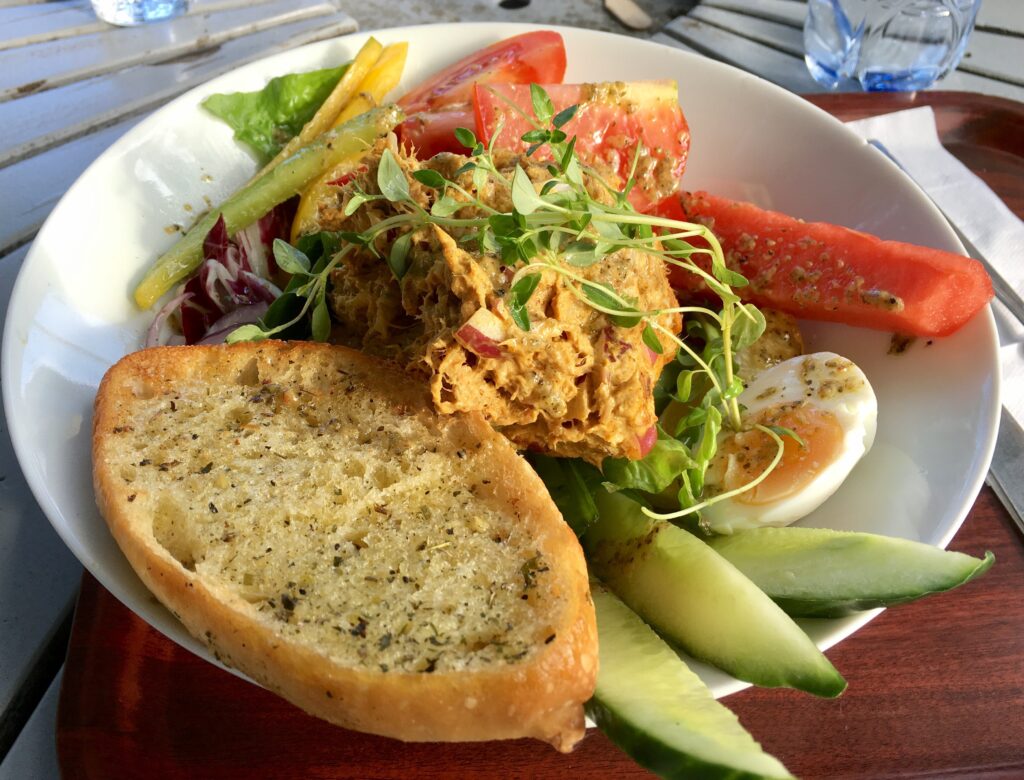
997 235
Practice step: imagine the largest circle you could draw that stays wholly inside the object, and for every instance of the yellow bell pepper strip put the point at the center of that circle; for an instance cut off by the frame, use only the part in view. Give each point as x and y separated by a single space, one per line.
382 79
342 94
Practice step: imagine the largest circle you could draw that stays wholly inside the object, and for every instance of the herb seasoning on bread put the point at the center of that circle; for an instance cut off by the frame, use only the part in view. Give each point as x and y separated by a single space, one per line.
304 511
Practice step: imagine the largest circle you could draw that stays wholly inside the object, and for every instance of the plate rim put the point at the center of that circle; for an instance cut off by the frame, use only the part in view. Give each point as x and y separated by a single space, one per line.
9 371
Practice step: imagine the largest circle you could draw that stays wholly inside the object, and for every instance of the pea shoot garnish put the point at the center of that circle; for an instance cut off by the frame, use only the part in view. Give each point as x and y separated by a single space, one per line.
556 227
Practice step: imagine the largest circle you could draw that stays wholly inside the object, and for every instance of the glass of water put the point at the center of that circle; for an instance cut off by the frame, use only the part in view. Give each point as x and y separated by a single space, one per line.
128 13
885 45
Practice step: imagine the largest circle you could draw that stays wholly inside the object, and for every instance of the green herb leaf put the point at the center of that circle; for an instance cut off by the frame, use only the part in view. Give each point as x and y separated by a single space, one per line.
480 178
446 206
564 116
684 386
466 137
398 258
430 178
524 197
542 106
783 431
321 322
536 136
652 341
289 259
246 333
391 179
748 327
519 296
598 293
355 202
581 254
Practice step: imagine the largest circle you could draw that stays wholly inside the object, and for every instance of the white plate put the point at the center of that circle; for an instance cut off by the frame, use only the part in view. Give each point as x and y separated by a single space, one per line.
71 316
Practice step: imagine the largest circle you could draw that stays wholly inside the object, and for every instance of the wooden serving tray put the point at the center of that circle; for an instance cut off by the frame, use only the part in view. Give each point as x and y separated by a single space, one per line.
936 688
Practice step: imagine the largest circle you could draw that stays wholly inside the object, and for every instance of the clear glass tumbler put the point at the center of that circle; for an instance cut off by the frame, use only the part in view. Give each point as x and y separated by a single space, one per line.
886 45
128 13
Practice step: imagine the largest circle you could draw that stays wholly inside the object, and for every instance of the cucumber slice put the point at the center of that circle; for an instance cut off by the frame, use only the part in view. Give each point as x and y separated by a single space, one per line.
695 598
652 706
817 572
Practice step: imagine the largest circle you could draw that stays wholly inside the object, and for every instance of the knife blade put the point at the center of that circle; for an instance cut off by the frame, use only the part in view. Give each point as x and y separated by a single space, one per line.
1006 474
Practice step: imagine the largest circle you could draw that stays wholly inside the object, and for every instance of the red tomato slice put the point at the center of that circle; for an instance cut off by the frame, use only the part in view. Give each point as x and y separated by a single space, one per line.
825 272
431 132
534 56
611 118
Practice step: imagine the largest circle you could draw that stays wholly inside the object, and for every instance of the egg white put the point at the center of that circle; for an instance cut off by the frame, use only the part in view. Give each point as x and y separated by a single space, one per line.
825 383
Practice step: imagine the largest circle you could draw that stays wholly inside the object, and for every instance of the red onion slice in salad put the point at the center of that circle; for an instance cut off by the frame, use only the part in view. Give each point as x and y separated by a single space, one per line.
243 315
153 334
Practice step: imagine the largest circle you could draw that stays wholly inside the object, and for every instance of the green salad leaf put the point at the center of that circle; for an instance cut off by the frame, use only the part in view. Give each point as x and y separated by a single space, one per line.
267 119
572 484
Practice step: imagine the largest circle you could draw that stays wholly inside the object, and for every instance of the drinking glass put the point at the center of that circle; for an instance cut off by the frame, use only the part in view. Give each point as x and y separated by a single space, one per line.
128 13
886 45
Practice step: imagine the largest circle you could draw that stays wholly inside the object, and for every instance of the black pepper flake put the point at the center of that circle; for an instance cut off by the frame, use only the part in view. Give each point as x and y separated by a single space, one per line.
337 561
207 468
145 462
287 602
384 642
131 497
359 629
195 436
431 665
549 640
213 508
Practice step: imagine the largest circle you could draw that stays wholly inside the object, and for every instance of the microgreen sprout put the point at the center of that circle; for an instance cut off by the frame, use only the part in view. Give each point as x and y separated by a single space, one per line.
557 227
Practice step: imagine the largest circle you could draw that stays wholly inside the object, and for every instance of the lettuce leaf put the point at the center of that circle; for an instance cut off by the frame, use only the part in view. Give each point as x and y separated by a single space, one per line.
571 483
266 120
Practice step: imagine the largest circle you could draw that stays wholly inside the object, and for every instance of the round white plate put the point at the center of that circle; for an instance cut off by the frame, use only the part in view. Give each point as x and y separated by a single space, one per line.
71 315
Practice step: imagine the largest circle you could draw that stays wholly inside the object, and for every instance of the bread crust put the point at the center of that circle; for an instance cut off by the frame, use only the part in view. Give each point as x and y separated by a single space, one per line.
540 697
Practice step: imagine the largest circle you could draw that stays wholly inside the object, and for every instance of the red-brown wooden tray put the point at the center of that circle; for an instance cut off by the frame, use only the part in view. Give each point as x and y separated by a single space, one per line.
936 688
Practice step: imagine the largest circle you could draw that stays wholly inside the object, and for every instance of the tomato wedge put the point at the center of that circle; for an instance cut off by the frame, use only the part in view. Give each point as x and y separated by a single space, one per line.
432 132
826 272
537 56
609 122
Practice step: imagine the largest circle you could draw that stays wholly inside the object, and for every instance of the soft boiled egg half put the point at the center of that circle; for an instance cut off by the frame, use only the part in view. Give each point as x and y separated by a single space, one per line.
828 403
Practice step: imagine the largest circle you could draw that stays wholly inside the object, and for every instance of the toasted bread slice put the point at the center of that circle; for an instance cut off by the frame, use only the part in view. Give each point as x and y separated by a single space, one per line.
304 512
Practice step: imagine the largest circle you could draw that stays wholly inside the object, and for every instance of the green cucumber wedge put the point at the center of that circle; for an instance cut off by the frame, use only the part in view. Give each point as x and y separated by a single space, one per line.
657 710
699 601
817 572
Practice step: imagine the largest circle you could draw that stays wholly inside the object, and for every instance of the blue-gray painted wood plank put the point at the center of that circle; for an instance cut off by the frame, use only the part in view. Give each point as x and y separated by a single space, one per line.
47 119
38 575
31 188
34 754
785 70
40 66
783 37
994 63
791 12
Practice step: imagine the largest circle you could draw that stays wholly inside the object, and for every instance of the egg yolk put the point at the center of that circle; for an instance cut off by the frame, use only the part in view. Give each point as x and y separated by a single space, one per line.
747 454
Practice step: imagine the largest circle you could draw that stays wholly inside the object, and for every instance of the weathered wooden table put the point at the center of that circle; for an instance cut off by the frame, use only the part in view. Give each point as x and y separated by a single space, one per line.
70 85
